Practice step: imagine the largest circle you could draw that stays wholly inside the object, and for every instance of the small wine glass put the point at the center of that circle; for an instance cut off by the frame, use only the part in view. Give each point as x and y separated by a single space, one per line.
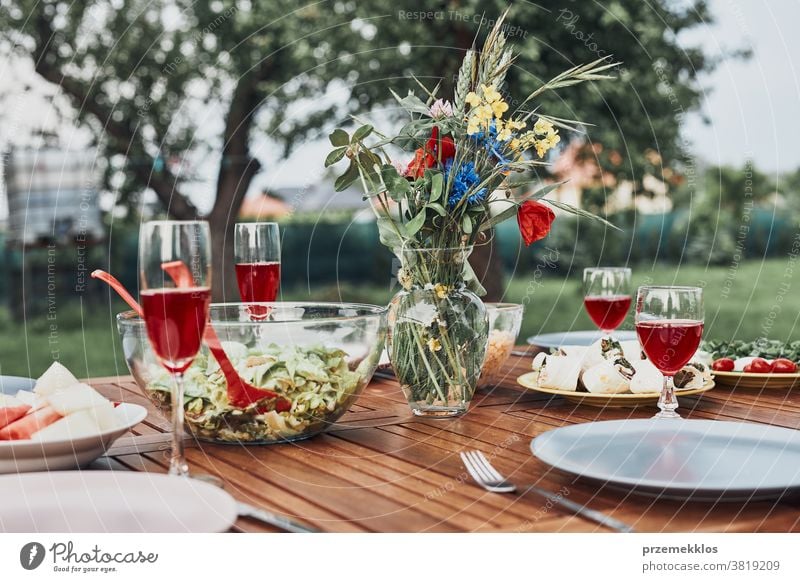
175 266
257 248
607 296
669 323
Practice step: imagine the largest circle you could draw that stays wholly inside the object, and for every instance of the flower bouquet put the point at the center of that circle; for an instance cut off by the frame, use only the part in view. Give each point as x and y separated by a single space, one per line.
432 210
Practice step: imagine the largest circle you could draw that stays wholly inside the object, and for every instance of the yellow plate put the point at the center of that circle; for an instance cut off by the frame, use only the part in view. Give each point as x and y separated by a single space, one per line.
608 400
756 381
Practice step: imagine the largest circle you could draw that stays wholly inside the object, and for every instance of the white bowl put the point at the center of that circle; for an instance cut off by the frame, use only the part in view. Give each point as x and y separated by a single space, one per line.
27 455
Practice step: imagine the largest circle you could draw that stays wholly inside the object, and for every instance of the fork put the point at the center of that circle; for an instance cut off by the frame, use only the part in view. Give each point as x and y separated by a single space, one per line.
489 478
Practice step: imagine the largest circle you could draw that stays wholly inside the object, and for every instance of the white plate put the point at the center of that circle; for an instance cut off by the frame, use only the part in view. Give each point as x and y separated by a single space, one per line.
699 459
576 338
12 384
27 455
112 501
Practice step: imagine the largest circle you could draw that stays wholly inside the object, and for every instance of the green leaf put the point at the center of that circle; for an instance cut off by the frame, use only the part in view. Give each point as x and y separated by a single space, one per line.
436 207
466 224
350 175
388 233
437 185
414 225
339 138
335 155
580 212
361 133
498 218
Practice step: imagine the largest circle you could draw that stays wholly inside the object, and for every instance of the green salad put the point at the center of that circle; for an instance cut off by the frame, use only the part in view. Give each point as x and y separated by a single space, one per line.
316 380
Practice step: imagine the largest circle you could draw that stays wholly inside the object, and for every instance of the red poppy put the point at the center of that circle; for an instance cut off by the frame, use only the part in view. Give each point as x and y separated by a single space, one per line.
534 219
428 156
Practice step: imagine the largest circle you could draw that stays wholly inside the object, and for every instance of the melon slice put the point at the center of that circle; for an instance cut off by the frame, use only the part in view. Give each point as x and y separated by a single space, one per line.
28 425
55 378
80 397
79 424
9 414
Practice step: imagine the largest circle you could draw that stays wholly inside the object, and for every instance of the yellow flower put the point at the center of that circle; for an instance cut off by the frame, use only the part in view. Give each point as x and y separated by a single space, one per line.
504 134
552 139
490 93
542 126
473 126
541 148
473 99
515 144
485 112
499 107
441 290
434 344
513 124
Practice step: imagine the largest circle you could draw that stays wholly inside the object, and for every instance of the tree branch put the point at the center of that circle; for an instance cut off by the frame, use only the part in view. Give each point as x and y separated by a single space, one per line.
124 138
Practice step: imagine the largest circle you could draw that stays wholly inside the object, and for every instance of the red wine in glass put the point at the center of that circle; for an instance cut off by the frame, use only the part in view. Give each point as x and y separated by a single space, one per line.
258 281
175 320
669 324
607 311
606 296
257 248
175 309
670 343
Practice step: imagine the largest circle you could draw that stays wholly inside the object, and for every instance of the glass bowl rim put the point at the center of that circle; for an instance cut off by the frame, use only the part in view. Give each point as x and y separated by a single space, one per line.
131 318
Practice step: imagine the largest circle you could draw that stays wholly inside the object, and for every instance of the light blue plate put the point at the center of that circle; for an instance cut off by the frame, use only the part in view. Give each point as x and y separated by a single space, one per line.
576 338
13 384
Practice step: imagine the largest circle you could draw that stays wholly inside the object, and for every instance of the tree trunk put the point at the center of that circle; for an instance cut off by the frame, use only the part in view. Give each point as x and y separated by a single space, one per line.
488 267
224 287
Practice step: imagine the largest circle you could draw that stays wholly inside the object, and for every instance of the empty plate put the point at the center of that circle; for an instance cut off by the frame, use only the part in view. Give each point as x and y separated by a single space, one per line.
699 459
576 338
112 501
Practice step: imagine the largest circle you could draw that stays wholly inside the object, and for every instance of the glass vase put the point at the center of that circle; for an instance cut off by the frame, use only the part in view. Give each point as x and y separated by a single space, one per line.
438 331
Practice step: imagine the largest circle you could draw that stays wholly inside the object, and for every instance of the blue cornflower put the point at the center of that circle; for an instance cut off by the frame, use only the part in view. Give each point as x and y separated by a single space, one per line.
493 146
464 179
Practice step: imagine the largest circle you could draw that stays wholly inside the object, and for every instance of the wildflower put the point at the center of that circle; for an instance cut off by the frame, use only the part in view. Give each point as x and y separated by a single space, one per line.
464 180
490 93
472 99
404 279
534 220
441 290
434 344
441 108
542 126
498 108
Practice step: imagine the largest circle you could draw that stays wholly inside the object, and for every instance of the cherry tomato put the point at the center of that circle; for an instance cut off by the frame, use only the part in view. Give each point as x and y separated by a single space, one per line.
784 366
723 365
758 366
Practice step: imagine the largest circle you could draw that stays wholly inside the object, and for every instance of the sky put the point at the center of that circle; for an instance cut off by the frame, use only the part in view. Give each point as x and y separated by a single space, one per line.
752 105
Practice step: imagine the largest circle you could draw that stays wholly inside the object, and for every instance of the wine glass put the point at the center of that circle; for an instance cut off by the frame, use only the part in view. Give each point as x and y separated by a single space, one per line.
669 323
607 296
257 248
175 266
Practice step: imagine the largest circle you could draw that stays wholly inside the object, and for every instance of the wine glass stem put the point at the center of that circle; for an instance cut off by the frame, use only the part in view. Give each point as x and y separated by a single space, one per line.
177 461
668 402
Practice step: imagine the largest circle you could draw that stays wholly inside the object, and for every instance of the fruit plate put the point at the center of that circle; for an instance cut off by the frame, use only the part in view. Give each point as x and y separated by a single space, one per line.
608 400
48 455
753 381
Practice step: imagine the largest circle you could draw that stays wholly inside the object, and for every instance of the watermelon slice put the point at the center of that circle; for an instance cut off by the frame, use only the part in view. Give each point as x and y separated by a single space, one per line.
25 427
9 414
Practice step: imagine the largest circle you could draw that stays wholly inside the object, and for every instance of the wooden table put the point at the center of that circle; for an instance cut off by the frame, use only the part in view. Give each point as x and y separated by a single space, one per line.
382 469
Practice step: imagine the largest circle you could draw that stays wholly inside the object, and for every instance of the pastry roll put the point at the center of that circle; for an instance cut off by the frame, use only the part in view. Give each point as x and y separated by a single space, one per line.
560 373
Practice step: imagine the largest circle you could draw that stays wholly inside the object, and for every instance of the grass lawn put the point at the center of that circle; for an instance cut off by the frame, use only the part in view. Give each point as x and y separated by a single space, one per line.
752 300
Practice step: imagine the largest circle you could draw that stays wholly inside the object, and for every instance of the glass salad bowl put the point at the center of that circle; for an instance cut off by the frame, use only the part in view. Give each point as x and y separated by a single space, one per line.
316 356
